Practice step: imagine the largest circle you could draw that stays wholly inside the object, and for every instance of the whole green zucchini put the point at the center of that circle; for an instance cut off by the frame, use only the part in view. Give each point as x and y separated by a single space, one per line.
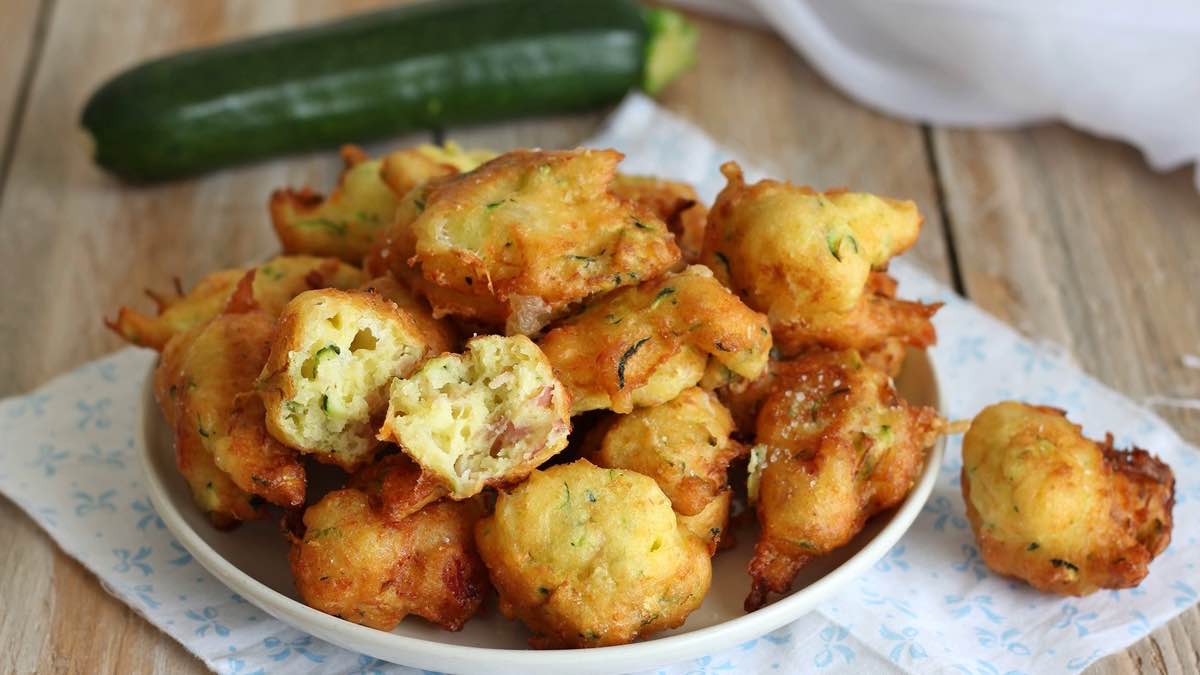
413 67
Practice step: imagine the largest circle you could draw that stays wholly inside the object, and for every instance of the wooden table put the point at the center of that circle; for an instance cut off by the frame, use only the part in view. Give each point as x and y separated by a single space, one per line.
1065 236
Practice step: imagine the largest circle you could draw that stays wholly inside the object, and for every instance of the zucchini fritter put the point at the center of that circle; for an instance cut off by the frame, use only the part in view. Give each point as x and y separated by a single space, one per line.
535 231
356 564
684 446
204 384
641 346
1062 512
589 557
807 258
276 282
325 384
487 416
348 222
835 446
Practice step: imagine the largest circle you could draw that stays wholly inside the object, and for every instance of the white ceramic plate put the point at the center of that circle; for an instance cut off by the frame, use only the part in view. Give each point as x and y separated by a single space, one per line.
252 561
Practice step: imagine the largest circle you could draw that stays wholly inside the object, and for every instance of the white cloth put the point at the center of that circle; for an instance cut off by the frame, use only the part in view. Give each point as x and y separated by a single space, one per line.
1118 69
67 457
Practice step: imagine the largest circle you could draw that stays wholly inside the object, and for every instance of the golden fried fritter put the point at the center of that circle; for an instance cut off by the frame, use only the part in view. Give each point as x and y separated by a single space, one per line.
356 564
794 252
806 259
589 557
536 231
1064 513
684 446
641 346
277 281
487 416
204 384
360 208
675 203
835 445
325 384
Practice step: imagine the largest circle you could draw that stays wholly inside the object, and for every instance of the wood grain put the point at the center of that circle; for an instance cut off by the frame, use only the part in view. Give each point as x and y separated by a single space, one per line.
79 244
1104 267
1073 239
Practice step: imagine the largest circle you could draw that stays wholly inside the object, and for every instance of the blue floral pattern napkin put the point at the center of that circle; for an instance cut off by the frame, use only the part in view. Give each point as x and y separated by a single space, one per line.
67 457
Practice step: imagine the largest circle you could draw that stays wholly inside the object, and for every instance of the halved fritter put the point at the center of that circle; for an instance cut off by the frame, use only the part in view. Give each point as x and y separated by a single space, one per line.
276 282
352 218
536 231
325 384
642 346
590 557
835 445
1058 510
684 445
487 416
356 564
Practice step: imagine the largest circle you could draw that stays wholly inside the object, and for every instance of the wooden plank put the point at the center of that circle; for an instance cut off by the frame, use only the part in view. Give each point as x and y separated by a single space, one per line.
1074 239
78 244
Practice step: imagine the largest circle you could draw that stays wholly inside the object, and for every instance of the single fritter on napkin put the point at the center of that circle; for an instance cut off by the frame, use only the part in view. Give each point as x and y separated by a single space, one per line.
1063 512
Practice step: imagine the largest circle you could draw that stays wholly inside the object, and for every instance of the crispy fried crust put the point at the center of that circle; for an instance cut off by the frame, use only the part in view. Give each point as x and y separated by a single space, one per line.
589 557
439 333
397 486
325 383
356 564
535 230
675 203
629 339
405 169
277 281
204 385
835 446
878 322
1064 513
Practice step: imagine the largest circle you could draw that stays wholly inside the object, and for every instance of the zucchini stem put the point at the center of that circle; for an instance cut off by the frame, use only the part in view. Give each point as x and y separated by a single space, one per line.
670 48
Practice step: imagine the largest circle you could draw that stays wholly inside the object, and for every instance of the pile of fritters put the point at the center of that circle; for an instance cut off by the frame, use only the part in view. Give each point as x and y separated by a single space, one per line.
757 339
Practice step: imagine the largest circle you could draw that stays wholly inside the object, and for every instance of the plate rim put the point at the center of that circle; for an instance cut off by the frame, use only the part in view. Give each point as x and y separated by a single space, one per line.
423 653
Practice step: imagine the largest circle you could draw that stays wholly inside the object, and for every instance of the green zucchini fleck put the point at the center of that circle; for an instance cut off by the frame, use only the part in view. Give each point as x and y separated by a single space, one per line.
625 359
